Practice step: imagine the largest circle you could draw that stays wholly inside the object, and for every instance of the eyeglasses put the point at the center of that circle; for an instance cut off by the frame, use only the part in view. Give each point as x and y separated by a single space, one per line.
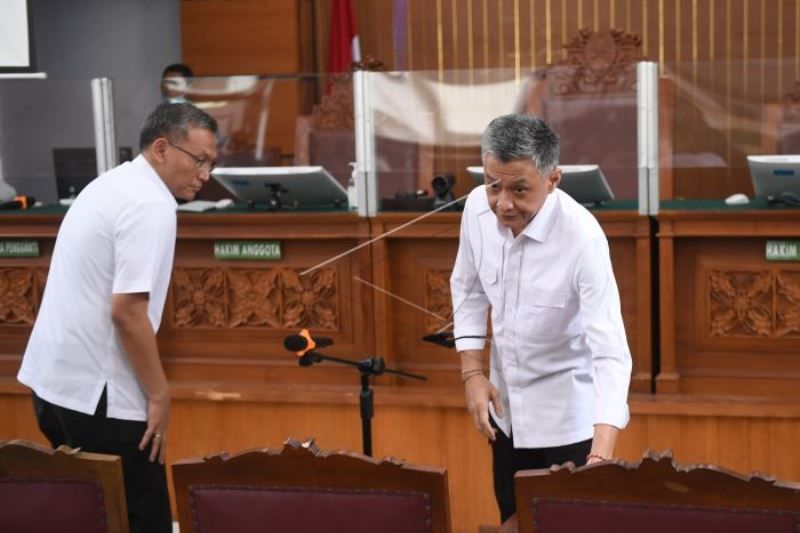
200 163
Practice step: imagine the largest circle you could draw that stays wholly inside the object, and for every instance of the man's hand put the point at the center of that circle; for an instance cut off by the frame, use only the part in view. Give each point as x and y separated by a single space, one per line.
157 425
605 436
479 392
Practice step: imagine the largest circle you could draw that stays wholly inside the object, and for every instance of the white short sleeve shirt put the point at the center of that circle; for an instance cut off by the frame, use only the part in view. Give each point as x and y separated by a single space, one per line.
559 356
118 237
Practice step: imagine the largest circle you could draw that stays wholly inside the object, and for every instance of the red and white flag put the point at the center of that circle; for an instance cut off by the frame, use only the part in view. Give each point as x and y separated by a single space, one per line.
343 48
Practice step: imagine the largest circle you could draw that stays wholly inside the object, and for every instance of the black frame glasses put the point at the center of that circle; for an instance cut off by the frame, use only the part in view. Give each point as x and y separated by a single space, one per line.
200 163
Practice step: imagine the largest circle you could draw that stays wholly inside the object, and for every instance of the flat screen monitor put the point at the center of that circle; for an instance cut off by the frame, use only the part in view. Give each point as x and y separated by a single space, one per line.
585 183
76 167
774 175
283 187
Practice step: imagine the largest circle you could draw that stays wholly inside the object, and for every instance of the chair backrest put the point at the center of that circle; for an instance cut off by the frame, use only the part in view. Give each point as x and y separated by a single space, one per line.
327 138
656 496
64 490
301 488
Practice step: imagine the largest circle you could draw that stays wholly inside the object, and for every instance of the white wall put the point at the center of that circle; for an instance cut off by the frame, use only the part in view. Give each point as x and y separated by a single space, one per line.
129 41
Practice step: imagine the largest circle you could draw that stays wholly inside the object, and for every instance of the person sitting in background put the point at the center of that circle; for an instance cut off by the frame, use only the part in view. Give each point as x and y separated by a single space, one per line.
174 83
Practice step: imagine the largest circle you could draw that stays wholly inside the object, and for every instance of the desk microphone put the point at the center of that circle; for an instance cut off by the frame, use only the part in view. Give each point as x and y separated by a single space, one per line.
21 201
304 343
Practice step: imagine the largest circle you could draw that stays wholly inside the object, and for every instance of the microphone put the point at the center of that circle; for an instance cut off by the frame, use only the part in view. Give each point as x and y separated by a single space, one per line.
446 340
21 201
304 343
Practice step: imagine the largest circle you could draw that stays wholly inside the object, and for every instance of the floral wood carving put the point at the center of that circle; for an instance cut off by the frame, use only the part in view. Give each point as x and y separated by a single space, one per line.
437 299
754 303
788 304
199 297
335 111
254 298
261 298
21 292
597 63
310 300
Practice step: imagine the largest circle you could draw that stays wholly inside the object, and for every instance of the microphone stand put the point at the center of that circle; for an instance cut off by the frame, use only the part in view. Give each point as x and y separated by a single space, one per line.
374 366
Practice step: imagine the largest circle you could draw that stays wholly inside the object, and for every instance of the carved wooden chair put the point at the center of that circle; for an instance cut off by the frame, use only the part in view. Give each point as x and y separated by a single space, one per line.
654 495
302 489
65 490
590 100
327 138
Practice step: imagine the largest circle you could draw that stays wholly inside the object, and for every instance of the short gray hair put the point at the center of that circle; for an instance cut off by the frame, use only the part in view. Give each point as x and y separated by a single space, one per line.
516 136
172 121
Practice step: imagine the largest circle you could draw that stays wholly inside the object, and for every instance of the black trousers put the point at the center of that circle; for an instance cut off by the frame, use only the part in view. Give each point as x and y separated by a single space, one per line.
507 461
145 482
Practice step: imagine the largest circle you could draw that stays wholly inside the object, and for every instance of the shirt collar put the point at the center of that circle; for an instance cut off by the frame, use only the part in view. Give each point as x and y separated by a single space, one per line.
539 228
153 176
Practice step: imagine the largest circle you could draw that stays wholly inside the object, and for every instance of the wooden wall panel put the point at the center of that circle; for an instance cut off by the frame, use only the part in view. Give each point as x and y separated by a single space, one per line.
227 37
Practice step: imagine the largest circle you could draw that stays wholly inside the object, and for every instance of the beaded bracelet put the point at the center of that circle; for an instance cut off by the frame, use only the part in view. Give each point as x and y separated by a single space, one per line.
596 456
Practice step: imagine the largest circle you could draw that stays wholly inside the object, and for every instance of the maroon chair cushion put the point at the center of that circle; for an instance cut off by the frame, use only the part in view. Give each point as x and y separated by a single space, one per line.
557 515
41 506
231 509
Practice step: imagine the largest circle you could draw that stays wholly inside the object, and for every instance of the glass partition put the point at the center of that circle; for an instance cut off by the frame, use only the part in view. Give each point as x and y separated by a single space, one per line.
722 112
283 121
426 129
46 138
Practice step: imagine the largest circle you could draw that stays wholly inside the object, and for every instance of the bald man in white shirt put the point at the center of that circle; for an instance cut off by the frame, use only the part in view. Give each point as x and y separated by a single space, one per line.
92 359
559 364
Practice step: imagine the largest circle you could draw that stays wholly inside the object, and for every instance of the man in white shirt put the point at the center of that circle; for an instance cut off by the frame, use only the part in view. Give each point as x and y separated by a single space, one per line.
92 359
560 364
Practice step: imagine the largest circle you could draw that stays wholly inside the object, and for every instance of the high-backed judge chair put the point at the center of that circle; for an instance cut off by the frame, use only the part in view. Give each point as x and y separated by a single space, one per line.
327 138
65 490
781 124
589 99
654 495
302 489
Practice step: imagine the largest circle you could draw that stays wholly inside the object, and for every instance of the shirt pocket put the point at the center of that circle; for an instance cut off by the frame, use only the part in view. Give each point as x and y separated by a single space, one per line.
544 313
490 281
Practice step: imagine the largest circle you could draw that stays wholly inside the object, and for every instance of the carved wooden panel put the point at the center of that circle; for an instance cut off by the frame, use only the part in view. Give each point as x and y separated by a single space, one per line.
21 292
437 300
754 303
597 63
275 298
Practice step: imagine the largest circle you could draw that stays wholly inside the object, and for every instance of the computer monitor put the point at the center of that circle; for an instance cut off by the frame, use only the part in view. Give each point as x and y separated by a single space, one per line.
283 187
76 167
774 175
585 183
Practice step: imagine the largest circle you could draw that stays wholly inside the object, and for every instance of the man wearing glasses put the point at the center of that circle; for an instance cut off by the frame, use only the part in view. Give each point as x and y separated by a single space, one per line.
92 360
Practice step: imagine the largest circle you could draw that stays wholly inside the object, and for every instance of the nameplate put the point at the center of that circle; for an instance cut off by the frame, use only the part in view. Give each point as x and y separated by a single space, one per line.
18 248
247 250
783 250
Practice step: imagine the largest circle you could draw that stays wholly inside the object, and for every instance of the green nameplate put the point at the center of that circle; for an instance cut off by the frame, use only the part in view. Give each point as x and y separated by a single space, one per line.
783 250
18 248
249 250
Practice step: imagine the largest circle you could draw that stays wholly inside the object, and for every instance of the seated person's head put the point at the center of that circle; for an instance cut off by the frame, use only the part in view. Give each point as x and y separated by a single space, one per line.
174 83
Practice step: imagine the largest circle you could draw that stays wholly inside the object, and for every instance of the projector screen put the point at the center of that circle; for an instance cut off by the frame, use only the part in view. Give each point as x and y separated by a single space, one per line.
16 41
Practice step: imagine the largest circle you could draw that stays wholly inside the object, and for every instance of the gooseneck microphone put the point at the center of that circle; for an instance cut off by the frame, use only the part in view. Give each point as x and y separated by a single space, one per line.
446 340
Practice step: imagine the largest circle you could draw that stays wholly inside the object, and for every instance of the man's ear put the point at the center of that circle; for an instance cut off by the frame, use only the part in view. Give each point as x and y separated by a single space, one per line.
159 149
553 180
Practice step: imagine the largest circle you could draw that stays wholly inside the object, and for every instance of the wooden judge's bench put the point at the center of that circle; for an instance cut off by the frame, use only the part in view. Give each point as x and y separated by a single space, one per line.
725 371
